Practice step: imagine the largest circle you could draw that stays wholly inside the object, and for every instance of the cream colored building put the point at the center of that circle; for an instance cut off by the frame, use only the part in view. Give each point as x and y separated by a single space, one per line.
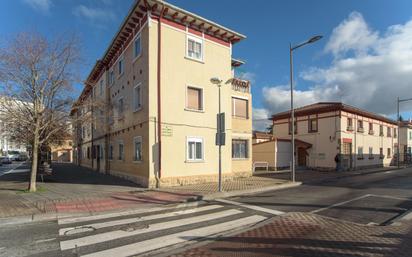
363 139
152 106
405 139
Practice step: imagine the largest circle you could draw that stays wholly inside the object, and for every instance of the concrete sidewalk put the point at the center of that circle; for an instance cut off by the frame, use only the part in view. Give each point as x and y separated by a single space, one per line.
74 191
305 234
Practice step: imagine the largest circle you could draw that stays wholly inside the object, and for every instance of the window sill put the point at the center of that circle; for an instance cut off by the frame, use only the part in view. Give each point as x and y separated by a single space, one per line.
240 159
138 162
136 58
194 110
239 118
138 109
194 59
195 161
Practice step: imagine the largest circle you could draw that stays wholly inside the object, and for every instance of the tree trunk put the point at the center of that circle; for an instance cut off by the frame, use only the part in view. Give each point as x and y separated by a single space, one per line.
34 162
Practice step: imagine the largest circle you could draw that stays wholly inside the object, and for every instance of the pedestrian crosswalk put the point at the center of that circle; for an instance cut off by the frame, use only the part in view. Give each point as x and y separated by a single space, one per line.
141 232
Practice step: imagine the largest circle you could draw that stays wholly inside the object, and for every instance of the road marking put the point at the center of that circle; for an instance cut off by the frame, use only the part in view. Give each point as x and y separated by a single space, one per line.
11 171
392 197
106 224
253 207
181 237
341 203
63 221
108 236
45 240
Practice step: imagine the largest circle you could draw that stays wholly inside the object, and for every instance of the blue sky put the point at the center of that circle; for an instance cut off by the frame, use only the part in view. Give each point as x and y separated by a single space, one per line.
364 58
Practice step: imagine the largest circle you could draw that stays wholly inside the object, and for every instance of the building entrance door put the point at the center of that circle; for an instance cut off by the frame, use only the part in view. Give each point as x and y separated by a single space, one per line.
301 157
346 156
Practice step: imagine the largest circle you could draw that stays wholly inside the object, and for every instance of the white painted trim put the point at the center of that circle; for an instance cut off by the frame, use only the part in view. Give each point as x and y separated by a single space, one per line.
140 139
139 84
195 139
196 39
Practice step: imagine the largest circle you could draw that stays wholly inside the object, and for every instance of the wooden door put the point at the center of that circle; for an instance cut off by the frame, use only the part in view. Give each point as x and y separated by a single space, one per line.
301 157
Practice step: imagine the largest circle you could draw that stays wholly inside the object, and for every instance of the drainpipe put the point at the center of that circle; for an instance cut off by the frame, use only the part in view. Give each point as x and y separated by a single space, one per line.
159 105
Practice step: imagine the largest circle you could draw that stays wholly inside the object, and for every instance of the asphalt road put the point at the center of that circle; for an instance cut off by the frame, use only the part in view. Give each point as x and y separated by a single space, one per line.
13 167
374 198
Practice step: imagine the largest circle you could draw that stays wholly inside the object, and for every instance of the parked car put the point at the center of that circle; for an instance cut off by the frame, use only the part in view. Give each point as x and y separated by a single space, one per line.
22 157
5 160
13 155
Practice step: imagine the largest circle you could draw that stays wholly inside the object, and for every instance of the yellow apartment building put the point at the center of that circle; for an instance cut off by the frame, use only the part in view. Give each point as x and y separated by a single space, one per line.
148 109
361 138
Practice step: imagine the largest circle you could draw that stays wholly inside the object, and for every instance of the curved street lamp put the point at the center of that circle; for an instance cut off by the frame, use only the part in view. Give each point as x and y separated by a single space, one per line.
291 48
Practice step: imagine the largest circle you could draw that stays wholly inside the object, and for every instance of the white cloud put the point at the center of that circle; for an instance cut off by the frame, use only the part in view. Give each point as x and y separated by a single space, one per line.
39 5
93 14
353 34
247 75
369 70
260 119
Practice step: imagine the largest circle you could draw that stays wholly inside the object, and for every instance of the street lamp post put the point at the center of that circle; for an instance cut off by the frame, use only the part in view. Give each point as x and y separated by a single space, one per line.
291 49
218 83
399 123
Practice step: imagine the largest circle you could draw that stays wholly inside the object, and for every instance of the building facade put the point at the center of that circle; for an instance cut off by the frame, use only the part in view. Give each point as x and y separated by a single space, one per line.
148 109
405 141
360 138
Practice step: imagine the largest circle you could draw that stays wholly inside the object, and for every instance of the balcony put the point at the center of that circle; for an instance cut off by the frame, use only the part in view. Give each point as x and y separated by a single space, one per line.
240 85
360 130
371 132
349 128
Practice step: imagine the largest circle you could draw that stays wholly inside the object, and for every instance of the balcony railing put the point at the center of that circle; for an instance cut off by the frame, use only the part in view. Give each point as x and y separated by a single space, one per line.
371 132
360 130
349 128
241 85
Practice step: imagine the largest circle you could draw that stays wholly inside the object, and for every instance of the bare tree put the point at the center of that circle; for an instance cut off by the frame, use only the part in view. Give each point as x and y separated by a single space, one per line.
37 76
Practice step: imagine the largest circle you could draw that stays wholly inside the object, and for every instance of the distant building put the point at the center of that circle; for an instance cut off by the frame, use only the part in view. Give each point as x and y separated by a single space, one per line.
259 136
158 121
405 141
360 138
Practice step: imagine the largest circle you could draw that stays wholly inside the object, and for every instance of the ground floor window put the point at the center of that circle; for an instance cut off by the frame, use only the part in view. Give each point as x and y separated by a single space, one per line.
194 149
88 152
389 152
121 151
110 152
239 149
137 149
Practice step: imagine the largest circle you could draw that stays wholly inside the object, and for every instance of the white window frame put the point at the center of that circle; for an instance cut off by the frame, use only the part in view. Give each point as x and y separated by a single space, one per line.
120 142
120 72
247 148
135 57
198 40
139 107
234 109
202 109
137 139
196 140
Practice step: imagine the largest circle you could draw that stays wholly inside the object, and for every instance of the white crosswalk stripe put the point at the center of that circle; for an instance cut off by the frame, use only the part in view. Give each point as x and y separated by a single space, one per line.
153 244
137 233
106 224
